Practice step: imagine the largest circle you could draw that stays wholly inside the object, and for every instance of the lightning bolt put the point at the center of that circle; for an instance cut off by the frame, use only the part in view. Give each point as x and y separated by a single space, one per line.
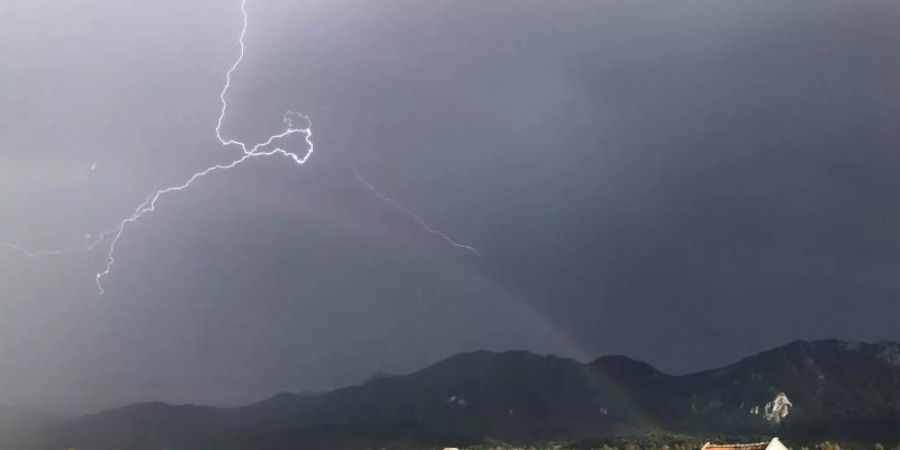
37 254
89 245
256 151
414 216
265 148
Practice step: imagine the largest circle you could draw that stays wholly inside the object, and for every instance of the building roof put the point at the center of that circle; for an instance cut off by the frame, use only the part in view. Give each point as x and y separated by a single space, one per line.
753 446
774 444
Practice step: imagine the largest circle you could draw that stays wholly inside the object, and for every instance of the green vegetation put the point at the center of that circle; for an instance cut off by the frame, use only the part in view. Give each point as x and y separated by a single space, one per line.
820 446
666 441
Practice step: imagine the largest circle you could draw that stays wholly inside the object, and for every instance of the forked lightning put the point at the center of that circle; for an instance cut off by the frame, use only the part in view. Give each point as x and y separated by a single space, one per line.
267 147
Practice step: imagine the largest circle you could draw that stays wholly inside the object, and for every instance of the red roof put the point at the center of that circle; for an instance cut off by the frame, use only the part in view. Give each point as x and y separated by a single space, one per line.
753 446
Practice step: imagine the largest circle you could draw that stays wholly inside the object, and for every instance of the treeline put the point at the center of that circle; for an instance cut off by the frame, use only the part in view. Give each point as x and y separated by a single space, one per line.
665 441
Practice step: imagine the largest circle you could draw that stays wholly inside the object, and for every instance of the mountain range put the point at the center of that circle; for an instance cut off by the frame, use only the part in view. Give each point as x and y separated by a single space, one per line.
804 390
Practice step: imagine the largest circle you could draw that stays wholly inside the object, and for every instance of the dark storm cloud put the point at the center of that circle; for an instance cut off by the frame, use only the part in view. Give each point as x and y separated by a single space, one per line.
684 183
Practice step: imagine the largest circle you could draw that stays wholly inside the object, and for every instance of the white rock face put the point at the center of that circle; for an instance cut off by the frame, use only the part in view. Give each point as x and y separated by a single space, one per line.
811 363
456 400
778 408
889 353
852 346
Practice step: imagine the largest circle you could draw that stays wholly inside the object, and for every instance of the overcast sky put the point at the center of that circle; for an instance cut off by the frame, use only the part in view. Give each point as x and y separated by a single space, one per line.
683 182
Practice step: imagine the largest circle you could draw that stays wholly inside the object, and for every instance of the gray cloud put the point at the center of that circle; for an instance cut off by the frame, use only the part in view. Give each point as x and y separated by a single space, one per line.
684 183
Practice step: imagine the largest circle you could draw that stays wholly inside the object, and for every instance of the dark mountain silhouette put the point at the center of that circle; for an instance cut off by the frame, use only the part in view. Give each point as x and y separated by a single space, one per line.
826 389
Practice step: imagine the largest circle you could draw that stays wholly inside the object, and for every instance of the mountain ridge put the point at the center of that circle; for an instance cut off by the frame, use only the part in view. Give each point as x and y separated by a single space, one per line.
798 389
